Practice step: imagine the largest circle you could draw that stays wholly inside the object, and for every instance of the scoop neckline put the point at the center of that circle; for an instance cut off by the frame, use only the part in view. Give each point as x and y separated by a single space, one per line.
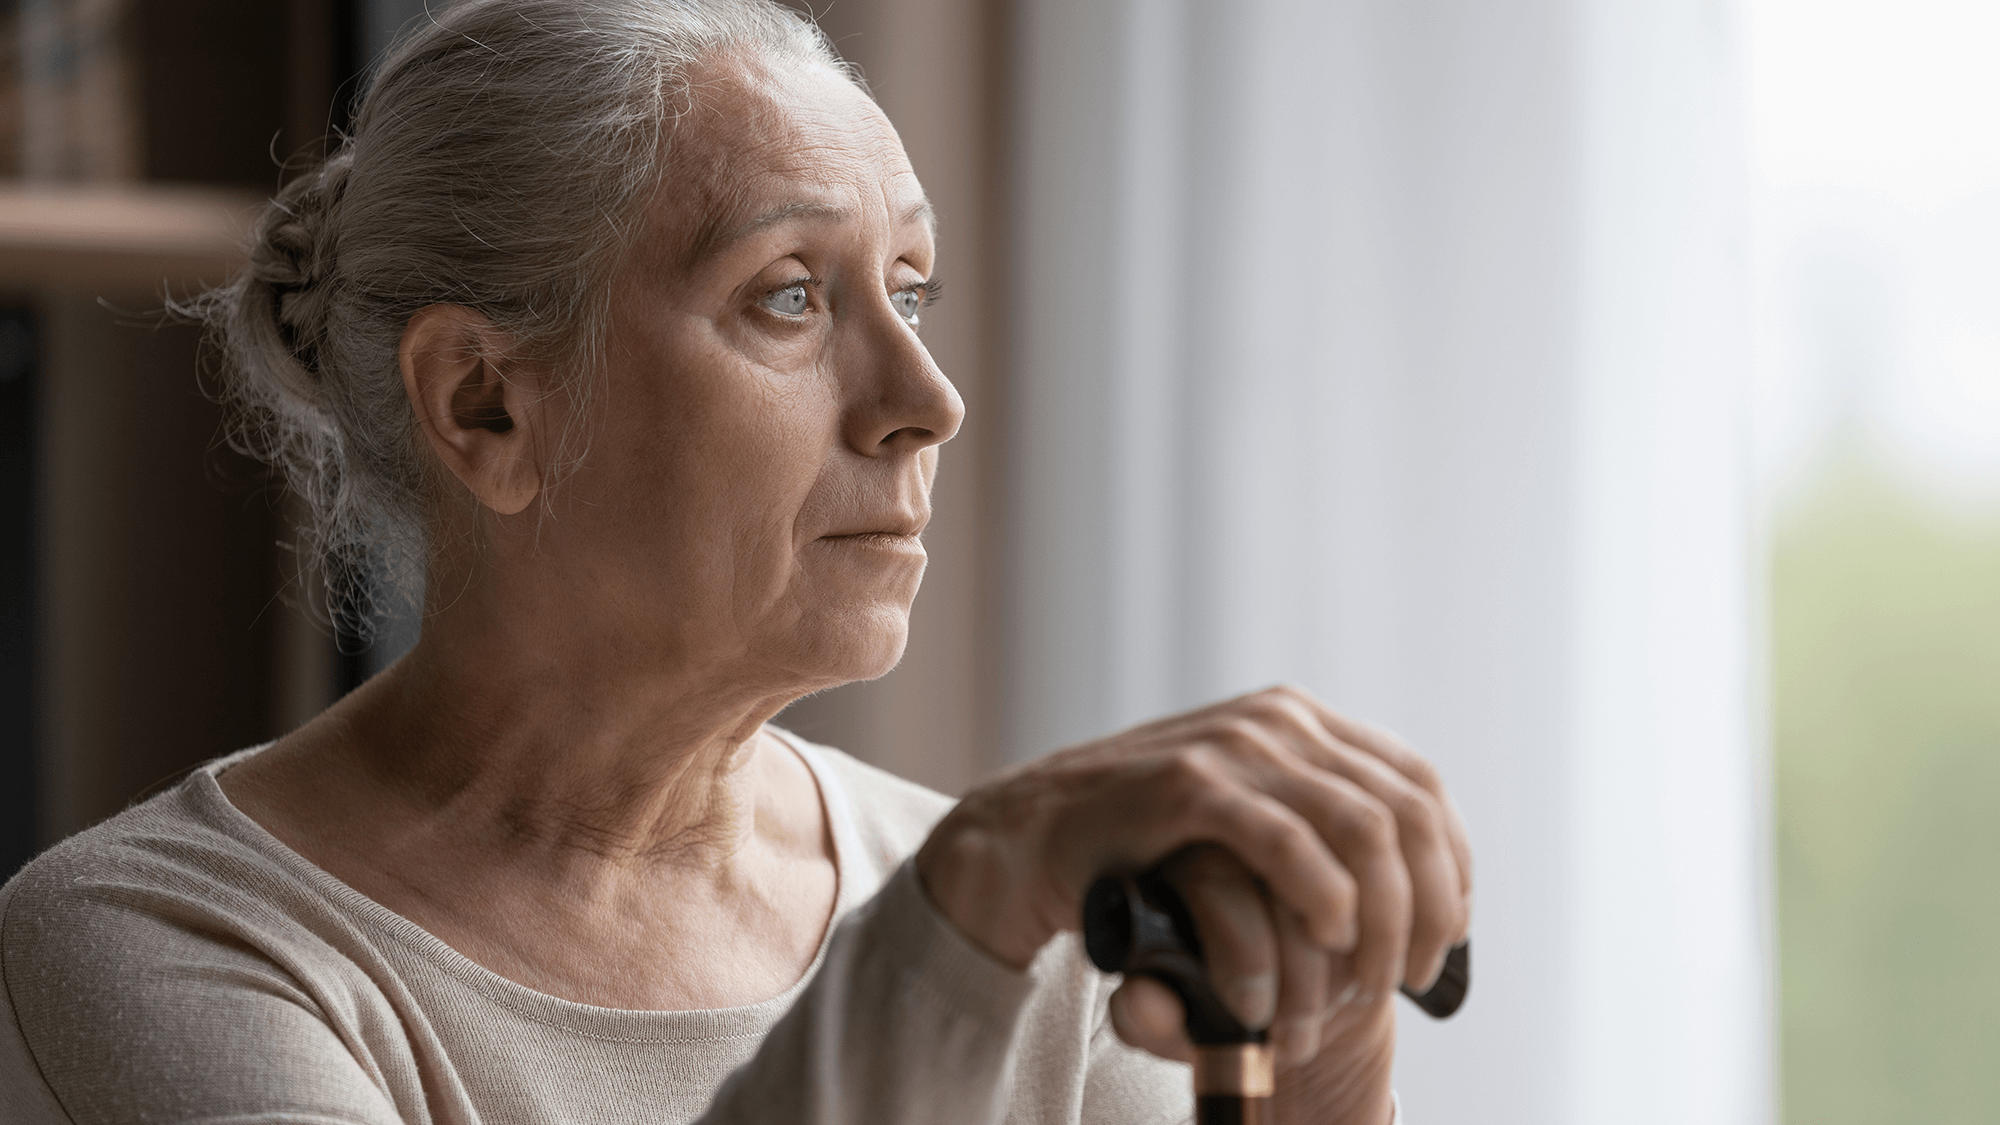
595 1021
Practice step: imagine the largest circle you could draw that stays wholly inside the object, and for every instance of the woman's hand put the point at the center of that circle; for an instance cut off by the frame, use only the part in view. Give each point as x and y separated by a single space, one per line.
1340 868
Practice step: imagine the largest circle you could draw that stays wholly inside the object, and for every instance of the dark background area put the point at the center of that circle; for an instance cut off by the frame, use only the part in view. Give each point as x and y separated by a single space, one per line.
18 391
145 621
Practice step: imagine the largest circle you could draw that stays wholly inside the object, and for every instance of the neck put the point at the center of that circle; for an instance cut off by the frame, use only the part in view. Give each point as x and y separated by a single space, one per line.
535 749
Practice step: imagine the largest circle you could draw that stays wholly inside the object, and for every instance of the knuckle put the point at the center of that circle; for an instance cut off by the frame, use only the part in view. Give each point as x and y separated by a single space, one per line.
1293 712
1204 790
1251 742
1266 704
1194 769
1418 817
1420 771
1372 824
1285 703
1286 840
1240 732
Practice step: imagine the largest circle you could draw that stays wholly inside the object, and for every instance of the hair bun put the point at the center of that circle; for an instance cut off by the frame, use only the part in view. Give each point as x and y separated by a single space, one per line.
292 257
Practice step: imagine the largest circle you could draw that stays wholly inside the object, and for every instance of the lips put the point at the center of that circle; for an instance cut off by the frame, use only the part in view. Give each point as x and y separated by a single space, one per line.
877 539
894 527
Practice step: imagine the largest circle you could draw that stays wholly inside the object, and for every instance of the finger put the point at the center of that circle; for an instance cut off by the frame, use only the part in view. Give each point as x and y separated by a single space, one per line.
1146 1014
1281 845
1239 940
1359 829
1343 984
1323 730
1130 816
1423 829
1407 762
1304 971
1439 906
1362 833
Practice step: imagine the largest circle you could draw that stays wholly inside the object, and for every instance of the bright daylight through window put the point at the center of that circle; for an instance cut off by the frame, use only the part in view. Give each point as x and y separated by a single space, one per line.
1876 142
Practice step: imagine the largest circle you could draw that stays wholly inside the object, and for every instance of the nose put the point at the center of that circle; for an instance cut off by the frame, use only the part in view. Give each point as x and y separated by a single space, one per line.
898 402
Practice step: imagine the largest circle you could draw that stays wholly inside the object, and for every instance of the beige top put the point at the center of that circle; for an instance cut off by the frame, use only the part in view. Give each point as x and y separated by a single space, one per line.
178 964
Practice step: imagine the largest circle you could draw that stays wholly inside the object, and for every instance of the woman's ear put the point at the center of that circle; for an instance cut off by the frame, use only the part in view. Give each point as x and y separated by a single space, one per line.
481 421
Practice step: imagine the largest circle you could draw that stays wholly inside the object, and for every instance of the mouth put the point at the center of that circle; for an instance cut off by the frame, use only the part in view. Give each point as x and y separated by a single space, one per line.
890 528
890 539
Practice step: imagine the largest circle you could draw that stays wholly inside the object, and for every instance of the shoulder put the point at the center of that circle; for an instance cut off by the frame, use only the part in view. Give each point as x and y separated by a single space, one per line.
168 938
150 883
891 816
166 846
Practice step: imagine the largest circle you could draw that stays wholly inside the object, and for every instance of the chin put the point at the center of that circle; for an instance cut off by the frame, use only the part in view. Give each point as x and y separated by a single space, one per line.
863 645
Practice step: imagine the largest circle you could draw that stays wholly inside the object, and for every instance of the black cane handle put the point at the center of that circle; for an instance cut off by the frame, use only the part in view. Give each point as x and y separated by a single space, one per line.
1140 925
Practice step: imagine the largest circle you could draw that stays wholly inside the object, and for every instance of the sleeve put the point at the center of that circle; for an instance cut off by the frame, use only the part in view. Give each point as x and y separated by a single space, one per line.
1126 1084
906 1023
112 1013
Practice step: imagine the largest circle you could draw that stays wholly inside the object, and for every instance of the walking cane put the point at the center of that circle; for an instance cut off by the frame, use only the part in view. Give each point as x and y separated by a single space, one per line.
1138 924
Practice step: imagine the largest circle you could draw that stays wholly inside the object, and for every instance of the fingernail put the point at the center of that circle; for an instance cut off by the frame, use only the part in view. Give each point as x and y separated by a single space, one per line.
1423 984
1257 999
1348 995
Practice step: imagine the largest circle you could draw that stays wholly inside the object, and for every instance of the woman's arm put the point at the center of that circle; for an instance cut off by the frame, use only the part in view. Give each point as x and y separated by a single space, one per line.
905 1023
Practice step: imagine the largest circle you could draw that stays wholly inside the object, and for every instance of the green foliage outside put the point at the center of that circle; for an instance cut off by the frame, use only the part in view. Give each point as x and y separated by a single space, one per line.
1886 705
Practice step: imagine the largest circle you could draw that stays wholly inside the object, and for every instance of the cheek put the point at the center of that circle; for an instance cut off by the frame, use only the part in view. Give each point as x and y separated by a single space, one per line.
712 470
772 449
758 466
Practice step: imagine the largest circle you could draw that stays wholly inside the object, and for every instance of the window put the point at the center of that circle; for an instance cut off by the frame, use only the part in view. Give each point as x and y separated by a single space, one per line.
1874 129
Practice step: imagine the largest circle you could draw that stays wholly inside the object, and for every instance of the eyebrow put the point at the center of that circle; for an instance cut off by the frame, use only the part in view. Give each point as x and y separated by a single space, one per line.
779 215
920 212
716 240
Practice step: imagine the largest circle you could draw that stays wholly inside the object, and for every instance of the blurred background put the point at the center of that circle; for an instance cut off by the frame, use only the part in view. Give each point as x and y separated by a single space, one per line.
1606 396
1877 214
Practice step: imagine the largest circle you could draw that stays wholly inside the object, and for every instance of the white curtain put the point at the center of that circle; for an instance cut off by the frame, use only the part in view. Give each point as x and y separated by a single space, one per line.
1393 347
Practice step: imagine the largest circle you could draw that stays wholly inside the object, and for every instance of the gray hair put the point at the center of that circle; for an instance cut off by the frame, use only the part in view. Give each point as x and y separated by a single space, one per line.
498 161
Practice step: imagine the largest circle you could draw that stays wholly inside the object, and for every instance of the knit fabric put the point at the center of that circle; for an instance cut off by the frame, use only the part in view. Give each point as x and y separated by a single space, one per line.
178 964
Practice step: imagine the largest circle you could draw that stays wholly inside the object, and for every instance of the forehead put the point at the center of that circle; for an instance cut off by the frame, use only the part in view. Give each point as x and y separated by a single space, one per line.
766 140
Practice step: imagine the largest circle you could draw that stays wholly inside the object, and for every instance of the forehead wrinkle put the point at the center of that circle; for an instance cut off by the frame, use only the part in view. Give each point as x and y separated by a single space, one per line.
729 176
731 162
804 209
724 222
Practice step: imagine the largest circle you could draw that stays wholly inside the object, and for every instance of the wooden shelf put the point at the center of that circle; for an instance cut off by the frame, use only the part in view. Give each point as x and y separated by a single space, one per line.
120 239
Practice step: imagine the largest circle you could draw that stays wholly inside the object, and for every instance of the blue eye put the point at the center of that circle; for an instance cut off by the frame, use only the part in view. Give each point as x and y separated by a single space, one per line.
789 301
908 303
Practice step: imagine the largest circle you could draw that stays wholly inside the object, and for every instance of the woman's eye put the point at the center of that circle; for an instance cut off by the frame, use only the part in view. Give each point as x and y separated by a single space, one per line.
789 301
908 303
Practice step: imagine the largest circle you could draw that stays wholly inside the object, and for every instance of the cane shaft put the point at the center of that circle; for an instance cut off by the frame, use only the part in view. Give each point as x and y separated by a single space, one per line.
1233 1084
1229 1109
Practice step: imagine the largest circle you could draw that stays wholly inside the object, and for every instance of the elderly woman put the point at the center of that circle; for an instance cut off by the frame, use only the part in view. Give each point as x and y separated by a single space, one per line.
607 314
